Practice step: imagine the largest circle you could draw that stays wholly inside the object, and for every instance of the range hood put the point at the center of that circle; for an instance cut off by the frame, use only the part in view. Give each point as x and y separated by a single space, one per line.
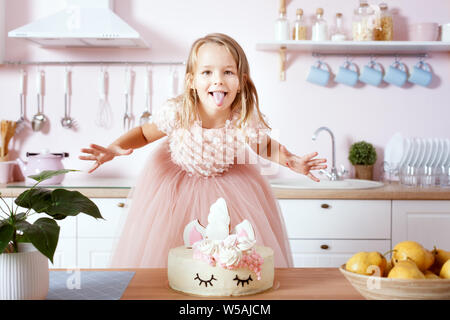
83 23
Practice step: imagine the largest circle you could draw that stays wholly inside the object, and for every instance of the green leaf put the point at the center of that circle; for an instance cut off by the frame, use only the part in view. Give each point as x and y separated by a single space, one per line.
47 174
43 234
38 199
71 203
6 236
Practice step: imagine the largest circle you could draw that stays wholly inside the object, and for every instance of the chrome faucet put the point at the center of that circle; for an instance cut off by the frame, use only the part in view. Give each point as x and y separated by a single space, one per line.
333 175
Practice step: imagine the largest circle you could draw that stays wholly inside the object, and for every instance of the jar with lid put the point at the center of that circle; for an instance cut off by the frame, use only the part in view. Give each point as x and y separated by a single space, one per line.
338 32
300 29
384 30
363 22
320 27
282 23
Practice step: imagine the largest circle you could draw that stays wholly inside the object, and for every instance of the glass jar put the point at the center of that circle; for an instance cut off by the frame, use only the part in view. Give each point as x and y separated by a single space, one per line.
338 32
282 24
320 27
385 25
363 22
299 32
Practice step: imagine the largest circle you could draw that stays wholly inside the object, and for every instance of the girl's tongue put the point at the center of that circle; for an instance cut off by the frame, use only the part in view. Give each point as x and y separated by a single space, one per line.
218 97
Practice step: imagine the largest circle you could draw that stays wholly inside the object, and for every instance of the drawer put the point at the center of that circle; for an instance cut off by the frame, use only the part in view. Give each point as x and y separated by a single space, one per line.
331 253
337 219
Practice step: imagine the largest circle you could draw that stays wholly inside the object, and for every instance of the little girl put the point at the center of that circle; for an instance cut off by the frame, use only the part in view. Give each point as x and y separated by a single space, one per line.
204 158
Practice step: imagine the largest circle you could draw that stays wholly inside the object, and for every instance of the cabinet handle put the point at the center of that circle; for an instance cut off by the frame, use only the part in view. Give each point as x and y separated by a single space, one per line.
325 206
121 204
324 247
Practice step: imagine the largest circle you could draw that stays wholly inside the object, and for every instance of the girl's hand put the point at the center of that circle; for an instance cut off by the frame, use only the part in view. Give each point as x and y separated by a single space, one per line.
304 164
101 155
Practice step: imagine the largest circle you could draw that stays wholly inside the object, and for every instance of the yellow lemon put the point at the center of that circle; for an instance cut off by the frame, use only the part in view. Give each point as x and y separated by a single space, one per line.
405 270
414 251
445 270
430 275
367 263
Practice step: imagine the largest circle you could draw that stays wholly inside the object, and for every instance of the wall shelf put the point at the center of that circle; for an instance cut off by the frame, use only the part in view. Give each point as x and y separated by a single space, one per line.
375 48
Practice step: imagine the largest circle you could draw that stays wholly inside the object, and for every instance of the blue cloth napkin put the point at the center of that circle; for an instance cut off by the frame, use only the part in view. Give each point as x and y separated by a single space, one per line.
88 285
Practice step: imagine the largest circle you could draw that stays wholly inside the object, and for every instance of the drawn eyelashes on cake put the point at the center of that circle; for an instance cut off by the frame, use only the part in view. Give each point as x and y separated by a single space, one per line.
239 281
206 282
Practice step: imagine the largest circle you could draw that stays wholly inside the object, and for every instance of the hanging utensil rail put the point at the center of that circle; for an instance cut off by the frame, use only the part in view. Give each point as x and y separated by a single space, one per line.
74 63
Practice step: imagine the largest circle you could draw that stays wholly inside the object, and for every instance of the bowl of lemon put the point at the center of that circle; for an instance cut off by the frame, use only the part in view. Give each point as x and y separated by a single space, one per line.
412 273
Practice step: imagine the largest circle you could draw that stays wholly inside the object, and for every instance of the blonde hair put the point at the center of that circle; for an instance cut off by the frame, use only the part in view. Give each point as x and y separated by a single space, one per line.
246 99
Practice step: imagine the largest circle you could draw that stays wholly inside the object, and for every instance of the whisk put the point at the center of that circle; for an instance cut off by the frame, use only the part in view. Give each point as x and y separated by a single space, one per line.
21 124
104 114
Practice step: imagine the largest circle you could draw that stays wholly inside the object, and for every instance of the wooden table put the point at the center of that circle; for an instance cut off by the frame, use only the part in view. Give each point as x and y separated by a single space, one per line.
289 284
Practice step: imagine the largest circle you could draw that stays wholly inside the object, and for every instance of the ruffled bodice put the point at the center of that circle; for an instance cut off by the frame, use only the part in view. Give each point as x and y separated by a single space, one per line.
207 152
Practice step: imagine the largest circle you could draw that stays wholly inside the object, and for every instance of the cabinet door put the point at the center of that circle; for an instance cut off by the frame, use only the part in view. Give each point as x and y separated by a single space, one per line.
424 221
326 253
96 237
337 219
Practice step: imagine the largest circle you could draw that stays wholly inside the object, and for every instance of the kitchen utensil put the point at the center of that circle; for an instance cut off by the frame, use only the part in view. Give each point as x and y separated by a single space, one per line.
38 162
8 129
145 117
104 113
39 119
67 122
381 288
21 124
128 117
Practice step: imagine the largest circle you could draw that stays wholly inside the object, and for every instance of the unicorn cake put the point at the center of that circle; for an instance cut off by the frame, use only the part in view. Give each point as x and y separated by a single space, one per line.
217 262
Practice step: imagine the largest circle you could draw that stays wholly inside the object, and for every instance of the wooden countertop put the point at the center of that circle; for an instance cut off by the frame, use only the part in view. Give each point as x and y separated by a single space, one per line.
289 284
393 191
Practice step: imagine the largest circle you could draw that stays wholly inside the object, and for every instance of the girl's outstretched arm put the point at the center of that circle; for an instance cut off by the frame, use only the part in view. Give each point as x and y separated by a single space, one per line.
124 145
278 153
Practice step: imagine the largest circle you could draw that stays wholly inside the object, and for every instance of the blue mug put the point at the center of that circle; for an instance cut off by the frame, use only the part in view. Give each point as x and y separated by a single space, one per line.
346 75
421 74
372 74
318 74
396 74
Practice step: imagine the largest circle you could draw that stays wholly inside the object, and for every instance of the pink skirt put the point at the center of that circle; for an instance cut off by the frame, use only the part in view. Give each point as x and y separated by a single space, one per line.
165 199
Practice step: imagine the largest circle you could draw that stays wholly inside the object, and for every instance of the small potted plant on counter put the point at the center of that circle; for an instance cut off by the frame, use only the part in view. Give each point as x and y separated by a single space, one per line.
363 156
25 248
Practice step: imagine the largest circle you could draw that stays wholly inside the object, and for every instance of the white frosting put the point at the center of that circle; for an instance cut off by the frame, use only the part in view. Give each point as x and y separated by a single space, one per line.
229 256
207 247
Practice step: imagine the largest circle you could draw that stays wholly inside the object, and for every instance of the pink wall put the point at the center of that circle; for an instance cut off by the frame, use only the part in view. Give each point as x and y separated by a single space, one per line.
295 107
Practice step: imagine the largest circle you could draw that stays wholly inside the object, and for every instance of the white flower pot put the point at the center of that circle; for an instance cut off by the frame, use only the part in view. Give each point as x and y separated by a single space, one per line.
24 275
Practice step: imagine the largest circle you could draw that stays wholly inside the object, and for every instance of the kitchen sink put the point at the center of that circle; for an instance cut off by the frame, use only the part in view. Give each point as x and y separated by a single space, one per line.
324 184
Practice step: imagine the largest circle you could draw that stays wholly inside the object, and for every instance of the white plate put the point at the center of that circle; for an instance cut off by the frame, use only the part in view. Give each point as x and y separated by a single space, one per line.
432 152
428 145
394 150
407 148
440 154
420 152
445 153
413 154
437 153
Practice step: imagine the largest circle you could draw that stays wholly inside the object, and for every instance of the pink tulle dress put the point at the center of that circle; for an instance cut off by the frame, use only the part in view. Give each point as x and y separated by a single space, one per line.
184 175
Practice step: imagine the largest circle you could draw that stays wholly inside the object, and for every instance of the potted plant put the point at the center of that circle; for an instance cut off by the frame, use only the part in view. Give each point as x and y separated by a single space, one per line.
25 248
363 156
